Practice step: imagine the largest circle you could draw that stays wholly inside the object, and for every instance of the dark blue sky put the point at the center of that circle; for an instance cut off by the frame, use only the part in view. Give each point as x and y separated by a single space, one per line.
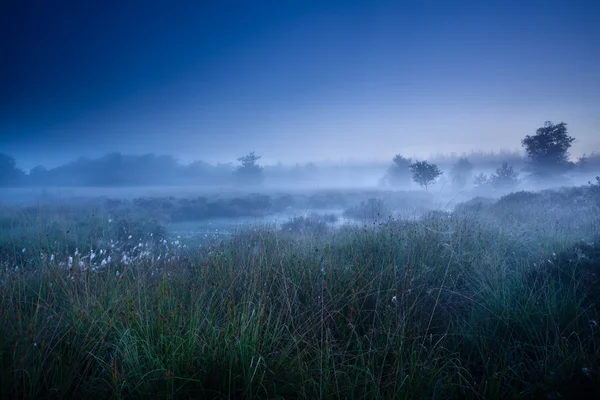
293 80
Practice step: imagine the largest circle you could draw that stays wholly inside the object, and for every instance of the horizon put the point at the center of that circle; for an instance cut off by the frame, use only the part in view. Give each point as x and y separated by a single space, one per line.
348 162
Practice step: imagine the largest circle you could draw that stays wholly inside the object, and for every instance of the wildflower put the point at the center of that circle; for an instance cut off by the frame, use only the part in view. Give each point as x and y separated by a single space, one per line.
24 249
70 263
76 252
103 263
35 344
394 299
52 258
92 256
109 220
129 237
117 274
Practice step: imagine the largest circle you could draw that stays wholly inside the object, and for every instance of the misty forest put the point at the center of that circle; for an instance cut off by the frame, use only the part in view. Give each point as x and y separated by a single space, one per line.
240 272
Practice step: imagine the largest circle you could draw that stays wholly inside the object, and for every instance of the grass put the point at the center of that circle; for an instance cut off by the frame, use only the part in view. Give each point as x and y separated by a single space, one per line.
473 304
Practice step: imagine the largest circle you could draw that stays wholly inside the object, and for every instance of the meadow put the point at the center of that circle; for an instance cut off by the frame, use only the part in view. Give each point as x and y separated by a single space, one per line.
495 298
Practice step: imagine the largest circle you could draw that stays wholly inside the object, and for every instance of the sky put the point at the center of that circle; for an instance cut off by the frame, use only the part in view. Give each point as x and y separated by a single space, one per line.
295 81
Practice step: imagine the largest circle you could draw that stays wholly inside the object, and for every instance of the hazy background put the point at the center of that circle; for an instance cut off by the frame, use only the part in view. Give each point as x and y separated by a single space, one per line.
296 81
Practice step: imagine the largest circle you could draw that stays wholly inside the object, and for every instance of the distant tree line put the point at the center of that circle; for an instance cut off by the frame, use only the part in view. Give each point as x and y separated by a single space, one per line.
546 160
116 169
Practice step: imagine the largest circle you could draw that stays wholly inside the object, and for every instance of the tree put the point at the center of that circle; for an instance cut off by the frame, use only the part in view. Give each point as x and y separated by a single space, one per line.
398 173
505 177
480 180
10 175
548 150
38 175
461 172
249 172
424 173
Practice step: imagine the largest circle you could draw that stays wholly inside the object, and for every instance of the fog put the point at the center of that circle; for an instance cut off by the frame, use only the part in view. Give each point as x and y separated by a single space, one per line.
309 200
198 198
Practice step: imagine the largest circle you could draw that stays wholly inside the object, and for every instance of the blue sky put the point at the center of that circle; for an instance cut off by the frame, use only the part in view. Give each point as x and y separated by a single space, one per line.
293 80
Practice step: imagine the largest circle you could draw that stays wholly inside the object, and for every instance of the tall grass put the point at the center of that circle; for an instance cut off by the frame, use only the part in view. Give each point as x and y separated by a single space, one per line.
447 306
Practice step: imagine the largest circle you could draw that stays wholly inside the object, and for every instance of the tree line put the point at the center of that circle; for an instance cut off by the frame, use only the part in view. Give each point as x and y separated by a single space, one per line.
547 159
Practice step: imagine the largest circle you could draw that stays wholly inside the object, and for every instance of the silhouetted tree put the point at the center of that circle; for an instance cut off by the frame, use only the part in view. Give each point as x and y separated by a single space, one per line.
548 150
249 172
461 173
398 173
424 173
10 175
505 177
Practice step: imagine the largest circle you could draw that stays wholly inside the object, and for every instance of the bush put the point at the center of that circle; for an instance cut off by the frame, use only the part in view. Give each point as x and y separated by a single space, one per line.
312 225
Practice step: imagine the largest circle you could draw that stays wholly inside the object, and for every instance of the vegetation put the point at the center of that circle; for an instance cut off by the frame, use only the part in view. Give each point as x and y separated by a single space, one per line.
424 173
10 175
480 180
481 159
588 163
548 150
505 177
547 159
369 211
249 172
398 174
461 173
498 299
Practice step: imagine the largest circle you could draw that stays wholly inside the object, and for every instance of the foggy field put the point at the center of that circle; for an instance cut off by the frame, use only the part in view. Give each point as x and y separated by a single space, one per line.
331 294
300 200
